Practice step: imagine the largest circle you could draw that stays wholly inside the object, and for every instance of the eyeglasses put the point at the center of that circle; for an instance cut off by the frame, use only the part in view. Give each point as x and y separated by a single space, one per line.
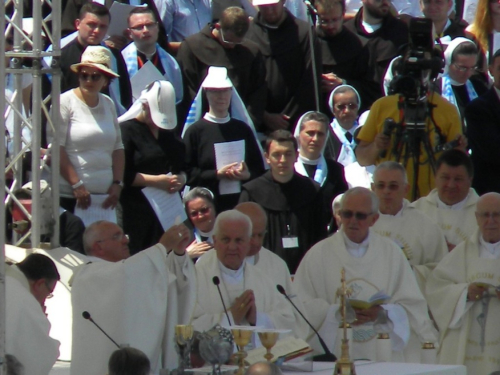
95 77
343 107
391 187
487 215
348 214
116 237
148 26
202 211
227 41
464 69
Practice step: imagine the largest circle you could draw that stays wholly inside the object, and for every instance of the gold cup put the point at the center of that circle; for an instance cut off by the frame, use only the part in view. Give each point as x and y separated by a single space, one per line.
183 333
241 338
268 340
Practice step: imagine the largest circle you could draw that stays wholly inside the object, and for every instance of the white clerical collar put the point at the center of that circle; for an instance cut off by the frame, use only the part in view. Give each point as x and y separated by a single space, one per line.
457 206
232 276
369 28
205 234
251 260
305 160
357 250
489 250
217 120
398 214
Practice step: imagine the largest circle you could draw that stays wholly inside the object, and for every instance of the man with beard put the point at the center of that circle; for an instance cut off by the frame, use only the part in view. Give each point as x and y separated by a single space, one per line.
381 33
344 57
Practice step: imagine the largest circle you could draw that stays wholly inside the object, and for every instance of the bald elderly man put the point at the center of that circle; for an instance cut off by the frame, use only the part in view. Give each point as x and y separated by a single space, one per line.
248 293
266 261
462 296
136 299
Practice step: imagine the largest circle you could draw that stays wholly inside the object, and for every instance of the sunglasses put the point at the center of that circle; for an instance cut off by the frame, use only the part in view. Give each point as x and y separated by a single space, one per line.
348 214
342 107
95 77
202 211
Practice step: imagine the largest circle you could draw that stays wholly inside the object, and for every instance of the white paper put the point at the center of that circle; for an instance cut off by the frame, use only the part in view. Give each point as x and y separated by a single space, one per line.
167 207
119 16
228 153
95 212
144 76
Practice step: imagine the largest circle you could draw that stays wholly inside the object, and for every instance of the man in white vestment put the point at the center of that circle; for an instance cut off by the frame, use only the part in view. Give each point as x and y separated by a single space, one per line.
136 299
421 241
372 264
463 299
266 261
27 285
452 203
250 296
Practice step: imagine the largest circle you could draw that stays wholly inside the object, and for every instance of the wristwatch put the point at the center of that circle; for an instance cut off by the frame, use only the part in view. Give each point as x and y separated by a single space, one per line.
119 183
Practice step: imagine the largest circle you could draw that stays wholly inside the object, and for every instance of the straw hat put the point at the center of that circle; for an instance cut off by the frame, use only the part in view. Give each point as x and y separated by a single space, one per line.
98 57
217 78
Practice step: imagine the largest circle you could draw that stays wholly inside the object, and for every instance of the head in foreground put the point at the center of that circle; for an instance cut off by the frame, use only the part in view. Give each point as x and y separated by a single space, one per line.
128 361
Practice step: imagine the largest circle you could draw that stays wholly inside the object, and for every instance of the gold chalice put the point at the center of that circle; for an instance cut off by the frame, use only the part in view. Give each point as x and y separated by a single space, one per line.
268 340
184 339
183 333
241 338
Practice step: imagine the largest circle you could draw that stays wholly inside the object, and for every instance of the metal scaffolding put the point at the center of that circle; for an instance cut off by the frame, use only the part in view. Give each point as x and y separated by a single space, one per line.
25 61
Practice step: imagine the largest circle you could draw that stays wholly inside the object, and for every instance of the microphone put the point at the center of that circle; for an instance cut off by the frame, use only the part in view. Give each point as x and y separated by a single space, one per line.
86 315
328 356
216 282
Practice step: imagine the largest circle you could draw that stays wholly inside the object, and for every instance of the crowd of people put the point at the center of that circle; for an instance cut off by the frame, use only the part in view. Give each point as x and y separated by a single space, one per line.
293 150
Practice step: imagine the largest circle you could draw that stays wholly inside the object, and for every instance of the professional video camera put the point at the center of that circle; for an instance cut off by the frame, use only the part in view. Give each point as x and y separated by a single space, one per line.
420 63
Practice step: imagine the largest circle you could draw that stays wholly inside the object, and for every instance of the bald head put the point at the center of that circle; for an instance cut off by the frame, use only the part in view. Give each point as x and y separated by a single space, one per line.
263 368
258 217
488 216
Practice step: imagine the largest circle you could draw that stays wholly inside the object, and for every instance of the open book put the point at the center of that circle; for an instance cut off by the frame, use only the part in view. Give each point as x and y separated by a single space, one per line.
378 298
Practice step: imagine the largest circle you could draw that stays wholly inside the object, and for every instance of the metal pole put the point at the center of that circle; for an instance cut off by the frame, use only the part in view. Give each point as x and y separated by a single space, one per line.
2 210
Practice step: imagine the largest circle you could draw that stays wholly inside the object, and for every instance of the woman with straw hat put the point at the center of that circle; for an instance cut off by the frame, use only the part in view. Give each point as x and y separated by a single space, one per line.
92 157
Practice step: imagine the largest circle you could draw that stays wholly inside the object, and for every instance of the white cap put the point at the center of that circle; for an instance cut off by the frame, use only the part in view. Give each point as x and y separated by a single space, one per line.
256 3
161 100
217 78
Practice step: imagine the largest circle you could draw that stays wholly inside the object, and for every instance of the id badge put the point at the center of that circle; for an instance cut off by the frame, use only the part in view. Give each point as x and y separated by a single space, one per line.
290 242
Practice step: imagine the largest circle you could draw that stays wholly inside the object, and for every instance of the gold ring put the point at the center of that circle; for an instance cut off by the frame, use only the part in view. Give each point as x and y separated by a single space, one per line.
242 305
478 296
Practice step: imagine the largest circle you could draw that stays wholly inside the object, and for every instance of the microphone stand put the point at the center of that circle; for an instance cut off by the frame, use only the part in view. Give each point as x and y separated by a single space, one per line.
310 11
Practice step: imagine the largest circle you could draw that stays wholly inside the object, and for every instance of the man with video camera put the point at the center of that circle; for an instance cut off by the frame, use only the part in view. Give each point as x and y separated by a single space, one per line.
413 125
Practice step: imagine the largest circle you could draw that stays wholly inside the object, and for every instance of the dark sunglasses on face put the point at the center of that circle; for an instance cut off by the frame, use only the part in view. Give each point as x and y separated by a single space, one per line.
201 211
95 77
348 214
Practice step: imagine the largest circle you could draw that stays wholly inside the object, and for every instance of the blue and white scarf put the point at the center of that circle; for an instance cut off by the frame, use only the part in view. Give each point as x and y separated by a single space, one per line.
172 69
321 172
447 90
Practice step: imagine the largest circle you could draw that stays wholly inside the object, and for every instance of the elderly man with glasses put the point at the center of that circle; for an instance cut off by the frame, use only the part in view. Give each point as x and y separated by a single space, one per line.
136 299
463 295
373 264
